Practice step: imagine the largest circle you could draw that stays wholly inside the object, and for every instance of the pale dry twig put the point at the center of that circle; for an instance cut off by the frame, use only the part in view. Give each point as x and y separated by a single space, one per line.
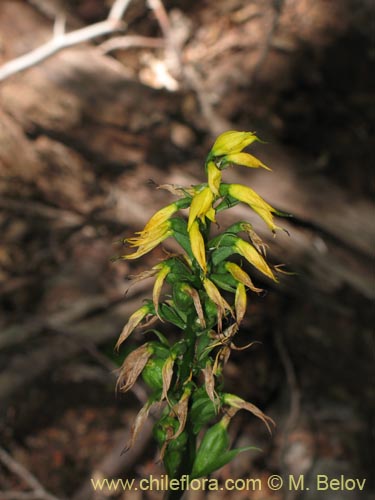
62 40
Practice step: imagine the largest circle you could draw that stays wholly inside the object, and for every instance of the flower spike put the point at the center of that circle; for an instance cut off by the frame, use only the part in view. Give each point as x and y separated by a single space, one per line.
205 305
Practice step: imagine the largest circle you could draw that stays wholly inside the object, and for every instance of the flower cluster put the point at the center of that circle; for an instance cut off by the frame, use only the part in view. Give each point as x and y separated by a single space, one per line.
187 376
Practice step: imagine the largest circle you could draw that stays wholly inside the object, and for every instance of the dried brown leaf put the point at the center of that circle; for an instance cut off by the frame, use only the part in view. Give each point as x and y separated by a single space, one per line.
167 374
132 367
138 424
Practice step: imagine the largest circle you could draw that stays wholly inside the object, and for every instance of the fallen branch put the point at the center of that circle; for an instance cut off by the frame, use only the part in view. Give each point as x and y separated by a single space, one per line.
127 42
187 73
62 40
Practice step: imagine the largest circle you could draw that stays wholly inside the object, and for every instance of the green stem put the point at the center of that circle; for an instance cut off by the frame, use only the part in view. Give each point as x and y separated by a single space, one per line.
190 448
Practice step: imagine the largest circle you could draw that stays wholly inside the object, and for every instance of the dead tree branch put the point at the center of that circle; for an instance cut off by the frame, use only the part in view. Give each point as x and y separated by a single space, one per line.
118 10
62 40
130 41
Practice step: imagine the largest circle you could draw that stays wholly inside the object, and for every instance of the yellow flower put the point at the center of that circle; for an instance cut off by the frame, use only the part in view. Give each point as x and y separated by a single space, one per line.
232 141
162 274
246 160
214 294
197 245
161 216
214 177
201 206
132 323
251 255
240 275
148 240
240 302
256 202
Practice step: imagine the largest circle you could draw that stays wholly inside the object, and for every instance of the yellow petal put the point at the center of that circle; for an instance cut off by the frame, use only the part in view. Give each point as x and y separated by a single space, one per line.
232 141
201 205
240 275
147 242
197 245
240 302
251 255
214 294
214 178
143 237
211 214
246 160
256 202
162 274
160 216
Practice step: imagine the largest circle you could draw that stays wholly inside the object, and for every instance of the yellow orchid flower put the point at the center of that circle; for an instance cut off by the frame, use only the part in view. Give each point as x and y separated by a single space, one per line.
246 160
240 302
240 275
214 294
251 255
147 241
232 141
214 177
201 206
197 245
161 216
164 269
256 202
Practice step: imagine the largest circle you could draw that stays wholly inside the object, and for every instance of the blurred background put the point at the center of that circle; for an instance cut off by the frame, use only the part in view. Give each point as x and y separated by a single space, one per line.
85 137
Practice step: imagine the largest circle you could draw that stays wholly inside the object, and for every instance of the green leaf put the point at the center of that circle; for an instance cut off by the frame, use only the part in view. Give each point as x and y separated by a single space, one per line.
160 336
213 452
221 254
169 314
179 348
210 310
220 461
181 299
203 341
214 445
202 410
225 281
227 202
160 349
152 374
178 268
222 240
181 235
